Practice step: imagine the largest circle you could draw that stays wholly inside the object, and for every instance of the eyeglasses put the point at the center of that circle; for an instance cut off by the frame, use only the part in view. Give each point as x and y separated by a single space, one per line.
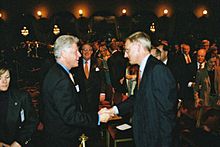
86 50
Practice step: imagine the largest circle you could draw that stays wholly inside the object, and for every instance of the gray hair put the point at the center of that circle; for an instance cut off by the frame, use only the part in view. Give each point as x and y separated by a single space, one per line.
64 42
141 38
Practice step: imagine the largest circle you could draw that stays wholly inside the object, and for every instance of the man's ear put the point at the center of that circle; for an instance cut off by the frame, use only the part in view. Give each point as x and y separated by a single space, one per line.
63 53
139 47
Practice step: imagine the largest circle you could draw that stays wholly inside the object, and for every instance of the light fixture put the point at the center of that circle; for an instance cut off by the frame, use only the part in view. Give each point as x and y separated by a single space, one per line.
56 30
204 12
124 11
152 27
39 14
80 12
165 12
24 31
0 15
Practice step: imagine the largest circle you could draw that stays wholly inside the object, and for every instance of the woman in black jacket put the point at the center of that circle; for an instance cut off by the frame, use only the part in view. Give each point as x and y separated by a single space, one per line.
17 117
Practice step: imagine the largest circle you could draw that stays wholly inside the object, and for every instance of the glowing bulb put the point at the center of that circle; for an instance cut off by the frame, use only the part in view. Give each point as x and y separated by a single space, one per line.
39 13
80 12
124 11
165 11
204 12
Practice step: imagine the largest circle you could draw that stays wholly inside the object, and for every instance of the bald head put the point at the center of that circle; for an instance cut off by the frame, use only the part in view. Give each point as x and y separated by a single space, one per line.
201 55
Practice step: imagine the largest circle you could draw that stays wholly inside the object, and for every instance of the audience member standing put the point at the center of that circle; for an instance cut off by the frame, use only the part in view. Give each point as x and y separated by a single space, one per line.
62 113
154 102
206 89
117 67
186 76
91 85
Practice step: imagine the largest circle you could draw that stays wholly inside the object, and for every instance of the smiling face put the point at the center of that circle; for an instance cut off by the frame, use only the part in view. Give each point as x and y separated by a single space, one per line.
87 51
201 55
4 80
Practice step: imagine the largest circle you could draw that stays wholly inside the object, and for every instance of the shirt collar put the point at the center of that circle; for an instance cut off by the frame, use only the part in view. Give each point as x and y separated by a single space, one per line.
88 61
202 64
165 61
64 67
143 64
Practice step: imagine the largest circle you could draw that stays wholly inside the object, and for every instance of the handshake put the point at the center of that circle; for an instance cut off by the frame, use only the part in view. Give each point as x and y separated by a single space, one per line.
105 114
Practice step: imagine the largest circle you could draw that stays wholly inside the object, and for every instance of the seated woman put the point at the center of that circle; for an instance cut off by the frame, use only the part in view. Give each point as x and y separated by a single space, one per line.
18 119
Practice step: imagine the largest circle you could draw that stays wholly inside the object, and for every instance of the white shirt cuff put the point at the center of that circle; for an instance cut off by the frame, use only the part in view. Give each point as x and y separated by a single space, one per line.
190 84
115 109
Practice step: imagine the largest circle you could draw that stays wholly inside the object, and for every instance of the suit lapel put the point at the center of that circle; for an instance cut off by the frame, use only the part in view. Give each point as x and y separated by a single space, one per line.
147 68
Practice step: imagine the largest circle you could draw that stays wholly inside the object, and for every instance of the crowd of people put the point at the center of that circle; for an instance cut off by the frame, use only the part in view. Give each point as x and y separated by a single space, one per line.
153 81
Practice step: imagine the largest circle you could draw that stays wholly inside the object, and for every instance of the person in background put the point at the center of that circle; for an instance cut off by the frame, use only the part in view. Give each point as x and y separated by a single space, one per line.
117 68
131 78
185 76
154 102
63 116
18 119
206 89
92 88
102 62
156 53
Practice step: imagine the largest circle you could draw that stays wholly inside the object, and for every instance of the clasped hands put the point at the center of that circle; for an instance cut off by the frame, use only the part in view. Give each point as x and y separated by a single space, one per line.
105 114
14 144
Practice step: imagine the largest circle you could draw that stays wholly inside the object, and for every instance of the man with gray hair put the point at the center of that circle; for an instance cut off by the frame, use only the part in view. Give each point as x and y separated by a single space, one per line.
62 114
154 101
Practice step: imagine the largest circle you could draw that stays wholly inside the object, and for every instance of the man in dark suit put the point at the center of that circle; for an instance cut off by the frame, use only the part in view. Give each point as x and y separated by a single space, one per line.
117 67
166 57
62 113
154 101
186 73
91 86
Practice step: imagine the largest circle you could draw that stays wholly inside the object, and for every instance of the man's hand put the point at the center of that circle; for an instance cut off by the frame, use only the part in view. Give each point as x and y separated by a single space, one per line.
104 117
105 110
15 144
105 114
3 144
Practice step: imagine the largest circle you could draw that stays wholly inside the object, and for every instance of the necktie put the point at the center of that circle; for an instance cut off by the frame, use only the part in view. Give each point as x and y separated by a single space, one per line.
71 77
139 78
188 60
86 69
200 66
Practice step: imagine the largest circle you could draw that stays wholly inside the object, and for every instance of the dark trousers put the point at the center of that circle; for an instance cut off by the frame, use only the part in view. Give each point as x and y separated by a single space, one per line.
51 141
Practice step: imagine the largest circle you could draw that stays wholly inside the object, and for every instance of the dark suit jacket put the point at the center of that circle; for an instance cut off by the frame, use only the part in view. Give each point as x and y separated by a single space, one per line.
21 118
91 87
62 114
154 106
117 67
185 73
